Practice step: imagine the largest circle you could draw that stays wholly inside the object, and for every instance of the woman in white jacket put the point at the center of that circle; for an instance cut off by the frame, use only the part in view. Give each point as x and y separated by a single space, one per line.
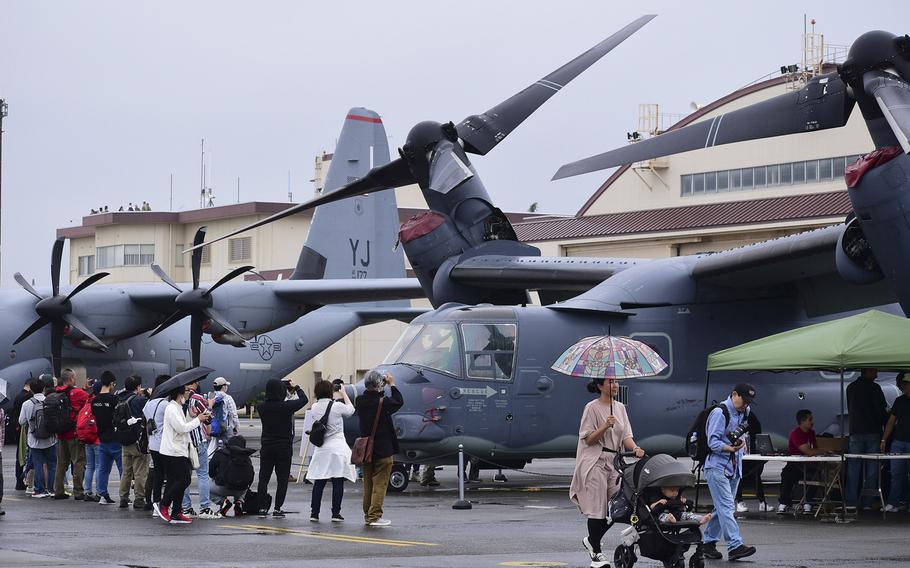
333 459
175 451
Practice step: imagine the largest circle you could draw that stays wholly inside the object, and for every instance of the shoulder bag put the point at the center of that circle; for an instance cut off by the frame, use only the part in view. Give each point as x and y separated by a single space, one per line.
193 454
320 427
362 452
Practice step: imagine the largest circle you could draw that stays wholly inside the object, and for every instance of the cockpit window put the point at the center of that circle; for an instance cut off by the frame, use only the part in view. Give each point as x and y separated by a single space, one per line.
489 350
402 343
434 346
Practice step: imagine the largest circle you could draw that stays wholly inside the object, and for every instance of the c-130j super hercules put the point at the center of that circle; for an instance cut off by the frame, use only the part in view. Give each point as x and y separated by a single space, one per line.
476 370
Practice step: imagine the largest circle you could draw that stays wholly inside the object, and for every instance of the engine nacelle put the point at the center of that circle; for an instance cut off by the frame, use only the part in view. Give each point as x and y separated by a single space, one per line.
228 339
854 256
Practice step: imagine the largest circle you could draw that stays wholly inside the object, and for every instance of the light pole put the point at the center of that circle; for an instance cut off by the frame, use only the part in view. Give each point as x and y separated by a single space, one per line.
4 108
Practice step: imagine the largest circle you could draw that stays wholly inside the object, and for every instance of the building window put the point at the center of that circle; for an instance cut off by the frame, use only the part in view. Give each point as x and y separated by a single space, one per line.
124 255
792 173
240 249
178 256
206 256
86 265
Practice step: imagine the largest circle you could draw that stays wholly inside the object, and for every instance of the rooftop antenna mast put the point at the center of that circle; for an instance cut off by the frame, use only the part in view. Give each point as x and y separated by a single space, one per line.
4 108
202 176
290 195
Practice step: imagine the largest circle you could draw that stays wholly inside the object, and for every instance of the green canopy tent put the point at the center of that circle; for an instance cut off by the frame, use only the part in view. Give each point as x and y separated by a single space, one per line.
872 339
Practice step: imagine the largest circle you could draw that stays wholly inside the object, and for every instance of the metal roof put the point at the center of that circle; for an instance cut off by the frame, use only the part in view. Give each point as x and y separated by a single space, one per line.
773 209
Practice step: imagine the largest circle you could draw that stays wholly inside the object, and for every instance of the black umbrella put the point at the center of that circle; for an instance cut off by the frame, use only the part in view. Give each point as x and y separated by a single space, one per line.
181 379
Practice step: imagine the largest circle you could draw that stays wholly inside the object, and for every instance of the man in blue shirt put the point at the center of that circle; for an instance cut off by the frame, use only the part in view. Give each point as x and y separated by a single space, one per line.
723 471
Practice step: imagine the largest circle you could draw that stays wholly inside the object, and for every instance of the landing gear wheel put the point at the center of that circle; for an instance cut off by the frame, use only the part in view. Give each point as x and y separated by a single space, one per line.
624 557
398 480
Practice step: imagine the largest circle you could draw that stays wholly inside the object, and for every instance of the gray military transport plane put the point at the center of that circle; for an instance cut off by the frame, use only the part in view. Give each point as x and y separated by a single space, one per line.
476 370
253 330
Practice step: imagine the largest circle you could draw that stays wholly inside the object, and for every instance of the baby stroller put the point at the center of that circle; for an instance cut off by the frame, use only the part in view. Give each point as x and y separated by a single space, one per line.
640 483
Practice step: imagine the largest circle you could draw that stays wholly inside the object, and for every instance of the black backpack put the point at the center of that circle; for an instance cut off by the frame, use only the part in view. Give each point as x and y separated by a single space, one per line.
38 425
58 412
697 436
124 432
238 471
320 427
253 502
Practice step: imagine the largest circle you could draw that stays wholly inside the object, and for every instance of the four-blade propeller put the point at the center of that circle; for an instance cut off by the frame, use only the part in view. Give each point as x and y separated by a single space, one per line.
57 309
197 302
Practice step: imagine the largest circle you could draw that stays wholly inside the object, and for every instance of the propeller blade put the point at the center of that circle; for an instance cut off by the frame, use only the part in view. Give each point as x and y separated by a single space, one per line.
28 287
163 275
227 277
196 337
85 284
56 256
482 132
449 167
198 241
394 174
823 103
36 325
216 317
893 96
171 320
57 346
75 322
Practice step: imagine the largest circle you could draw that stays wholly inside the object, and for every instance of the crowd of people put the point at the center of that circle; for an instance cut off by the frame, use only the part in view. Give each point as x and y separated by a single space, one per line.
159 437
144 206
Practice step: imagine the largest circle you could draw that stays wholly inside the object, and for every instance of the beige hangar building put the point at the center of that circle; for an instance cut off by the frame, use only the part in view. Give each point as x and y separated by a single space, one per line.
705 200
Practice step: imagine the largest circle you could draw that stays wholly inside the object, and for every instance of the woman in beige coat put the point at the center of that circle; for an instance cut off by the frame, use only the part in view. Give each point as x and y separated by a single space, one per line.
604 429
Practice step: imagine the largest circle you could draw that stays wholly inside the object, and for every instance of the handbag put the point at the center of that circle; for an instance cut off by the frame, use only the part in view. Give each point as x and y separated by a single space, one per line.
193 455
362 452
320 427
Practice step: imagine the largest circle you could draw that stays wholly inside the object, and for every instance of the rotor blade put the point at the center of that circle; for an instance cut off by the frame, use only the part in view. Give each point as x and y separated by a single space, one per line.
57 346
28 287
196 337
198 241
85 284
171 320
216 317
394 174
56 256
482 132
77 323
822 103
36 325
163 275
227 277
893 96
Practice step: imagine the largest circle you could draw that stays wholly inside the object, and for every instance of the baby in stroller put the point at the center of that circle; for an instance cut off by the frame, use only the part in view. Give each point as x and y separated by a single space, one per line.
650 499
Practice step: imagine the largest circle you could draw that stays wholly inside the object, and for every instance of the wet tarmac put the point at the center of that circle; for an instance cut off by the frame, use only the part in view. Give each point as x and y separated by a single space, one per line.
527 521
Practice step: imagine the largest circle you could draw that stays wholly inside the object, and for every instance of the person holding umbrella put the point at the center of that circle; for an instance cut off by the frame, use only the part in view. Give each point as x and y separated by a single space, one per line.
605 427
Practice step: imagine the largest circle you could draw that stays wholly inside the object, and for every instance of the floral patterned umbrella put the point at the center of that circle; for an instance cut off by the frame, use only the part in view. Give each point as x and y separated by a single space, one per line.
609 357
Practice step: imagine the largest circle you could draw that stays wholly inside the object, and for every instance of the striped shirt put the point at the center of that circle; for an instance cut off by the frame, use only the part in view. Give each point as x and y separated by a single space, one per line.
194 406
2 429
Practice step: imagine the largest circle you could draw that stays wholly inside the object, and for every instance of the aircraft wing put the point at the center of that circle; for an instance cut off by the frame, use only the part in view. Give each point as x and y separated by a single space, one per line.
343 291
563 273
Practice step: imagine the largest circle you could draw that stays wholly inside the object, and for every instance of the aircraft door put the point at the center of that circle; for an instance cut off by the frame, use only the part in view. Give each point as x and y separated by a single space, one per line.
181 360
531 408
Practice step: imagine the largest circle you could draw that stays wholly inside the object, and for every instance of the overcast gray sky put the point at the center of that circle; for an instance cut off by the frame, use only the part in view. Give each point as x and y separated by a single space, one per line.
107 99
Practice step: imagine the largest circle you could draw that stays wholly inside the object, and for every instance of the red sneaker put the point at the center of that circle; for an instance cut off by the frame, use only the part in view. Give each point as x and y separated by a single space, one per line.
165 514
181 519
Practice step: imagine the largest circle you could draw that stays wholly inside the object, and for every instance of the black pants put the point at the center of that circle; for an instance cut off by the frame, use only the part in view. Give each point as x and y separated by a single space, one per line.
179 472
337 495
278 459
752 472
597 528
790 476
1 470
157 477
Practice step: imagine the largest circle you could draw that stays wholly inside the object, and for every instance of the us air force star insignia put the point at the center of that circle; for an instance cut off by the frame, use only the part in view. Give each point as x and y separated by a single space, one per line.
264 345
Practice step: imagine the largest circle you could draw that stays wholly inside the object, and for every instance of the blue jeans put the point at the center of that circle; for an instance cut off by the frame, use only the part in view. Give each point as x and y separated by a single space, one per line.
898 473
862 444
92 464
108 454
722 521
40 458
202 477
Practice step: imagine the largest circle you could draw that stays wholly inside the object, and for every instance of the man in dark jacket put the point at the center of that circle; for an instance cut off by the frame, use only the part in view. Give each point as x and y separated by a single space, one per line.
231 471
385 443
277 417
868 412
109 450
24 394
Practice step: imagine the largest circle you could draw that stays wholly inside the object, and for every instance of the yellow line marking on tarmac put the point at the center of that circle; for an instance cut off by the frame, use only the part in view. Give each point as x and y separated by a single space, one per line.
326 536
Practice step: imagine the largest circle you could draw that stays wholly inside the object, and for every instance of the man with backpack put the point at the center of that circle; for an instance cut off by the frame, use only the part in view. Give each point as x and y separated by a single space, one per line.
42 443
231 470
129 431
225 421
109 450
723 467
62 407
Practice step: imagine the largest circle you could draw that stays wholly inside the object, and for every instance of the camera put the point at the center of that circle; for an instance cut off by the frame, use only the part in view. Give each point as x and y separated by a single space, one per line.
738 433
337 385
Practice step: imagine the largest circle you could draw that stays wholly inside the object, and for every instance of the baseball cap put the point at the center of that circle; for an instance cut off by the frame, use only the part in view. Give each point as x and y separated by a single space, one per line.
220 382
47 379
746 391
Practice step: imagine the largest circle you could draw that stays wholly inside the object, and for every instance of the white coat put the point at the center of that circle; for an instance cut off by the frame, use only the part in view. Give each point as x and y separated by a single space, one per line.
175 439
